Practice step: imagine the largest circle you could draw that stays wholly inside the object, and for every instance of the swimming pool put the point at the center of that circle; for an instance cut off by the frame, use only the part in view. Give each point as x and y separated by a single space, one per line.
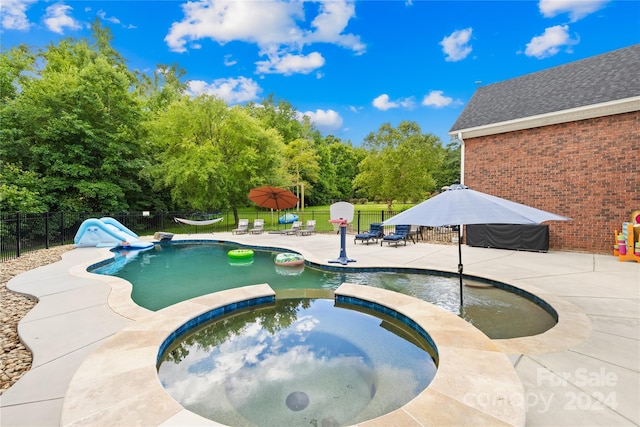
297 362
175 272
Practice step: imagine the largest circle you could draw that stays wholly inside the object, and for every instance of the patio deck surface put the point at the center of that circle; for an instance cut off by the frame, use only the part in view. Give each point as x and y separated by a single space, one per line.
585 371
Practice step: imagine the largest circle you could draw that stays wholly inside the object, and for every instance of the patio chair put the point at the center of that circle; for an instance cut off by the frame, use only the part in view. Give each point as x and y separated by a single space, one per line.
295 227
258 226
400 235
243 227
375 232
308 229
415 233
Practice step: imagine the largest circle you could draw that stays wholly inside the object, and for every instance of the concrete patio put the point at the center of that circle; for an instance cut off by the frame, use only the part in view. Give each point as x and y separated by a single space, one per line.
583 372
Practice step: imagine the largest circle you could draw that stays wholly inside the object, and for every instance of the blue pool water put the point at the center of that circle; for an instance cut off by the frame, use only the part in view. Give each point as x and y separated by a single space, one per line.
172 273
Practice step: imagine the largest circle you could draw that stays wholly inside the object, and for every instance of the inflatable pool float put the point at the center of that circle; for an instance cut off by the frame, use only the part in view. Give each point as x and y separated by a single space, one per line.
288 218
289 259
240 254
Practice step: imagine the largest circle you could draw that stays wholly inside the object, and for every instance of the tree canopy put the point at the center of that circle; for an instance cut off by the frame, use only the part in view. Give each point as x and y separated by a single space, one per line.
82 132
209 155
399 163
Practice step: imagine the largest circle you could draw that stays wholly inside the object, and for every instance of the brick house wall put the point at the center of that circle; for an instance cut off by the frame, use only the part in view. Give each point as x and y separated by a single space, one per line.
588 170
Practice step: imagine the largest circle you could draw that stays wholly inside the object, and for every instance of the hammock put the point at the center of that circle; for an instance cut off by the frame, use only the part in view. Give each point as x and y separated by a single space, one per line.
196 223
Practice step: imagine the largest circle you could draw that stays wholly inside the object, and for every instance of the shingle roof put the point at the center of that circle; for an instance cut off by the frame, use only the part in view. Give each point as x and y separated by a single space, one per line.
608 77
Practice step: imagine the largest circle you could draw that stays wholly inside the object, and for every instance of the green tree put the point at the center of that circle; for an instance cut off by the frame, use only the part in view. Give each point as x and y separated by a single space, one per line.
75 123
399 163
19 190
210 155
345 159
279 115
302 160
324 188
13 67
449 171
161 88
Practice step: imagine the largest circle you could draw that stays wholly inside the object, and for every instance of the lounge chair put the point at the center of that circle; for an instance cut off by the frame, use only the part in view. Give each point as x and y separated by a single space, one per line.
400 235
295 227
243 227
258 226
375 232
308 229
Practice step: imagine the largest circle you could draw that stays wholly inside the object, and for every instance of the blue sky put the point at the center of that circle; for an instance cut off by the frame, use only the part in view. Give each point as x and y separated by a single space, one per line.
350 66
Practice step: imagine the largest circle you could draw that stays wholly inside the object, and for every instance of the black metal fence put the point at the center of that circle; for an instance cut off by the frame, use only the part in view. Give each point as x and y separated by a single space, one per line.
24 232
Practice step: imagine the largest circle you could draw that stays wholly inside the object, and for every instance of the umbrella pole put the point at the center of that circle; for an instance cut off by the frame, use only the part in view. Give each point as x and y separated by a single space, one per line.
460 267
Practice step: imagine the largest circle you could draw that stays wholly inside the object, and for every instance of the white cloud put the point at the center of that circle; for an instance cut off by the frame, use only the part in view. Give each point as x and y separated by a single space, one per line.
57 18
551 42
228 61
103 16
333 18
407 103
263 23
325 120
232 91
382 102
456 46
14 14
577 9
280 29
288 64
435 98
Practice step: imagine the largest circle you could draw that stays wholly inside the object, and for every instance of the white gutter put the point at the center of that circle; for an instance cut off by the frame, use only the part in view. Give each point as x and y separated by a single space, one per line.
574 114
461 157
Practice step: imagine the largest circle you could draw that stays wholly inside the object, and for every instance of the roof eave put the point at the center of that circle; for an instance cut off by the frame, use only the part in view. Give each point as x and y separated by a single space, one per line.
610 108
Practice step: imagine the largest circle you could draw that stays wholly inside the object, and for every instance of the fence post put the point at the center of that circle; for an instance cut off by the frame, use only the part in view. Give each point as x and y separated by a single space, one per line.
18 234
46 230
62 228
358 230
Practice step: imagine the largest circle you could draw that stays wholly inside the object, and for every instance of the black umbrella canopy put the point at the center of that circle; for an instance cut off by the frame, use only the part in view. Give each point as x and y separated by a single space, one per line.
460 205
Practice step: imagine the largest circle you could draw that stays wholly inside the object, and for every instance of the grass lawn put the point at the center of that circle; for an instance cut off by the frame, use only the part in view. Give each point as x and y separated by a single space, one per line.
368 213
364 215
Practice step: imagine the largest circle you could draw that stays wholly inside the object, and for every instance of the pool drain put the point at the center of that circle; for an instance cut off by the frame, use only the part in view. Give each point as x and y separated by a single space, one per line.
297 401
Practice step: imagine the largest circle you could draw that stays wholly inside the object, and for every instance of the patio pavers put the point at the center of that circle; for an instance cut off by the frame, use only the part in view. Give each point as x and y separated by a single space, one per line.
604 290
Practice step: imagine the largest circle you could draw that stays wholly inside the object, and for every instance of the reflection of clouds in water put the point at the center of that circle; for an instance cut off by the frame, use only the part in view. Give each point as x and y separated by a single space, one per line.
273 368
277 367
212 366
243 361
305 324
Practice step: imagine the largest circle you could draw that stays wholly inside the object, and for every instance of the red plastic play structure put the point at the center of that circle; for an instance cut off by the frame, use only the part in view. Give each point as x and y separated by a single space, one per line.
627 243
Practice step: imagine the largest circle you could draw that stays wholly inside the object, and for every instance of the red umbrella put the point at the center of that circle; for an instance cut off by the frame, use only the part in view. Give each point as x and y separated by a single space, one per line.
273 197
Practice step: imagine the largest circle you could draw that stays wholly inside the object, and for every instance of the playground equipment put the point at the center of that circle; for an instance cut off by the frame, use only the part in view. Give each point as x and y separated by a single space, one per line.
627 242
107 232
342 214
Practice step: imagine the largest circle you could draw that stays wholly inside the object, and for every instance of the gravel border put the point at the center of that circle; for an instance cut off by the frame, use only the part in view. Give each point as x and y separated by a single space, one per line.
15 358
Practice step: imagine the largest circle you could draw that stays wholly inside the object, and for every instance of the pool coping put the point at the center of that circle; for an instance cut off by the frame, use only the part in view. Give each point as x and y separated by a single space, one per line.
572 328
118 383
563 350
86 402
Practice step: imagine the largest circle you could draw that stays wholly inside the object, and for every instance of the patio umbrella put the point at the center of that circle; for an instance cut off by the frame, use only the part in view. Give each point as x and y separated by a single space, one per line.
273 197
460 205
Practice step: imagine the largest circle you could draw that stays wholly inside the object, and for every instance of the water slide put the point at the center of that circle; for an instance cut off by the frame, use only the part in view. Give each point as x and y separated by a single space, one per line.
107 233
